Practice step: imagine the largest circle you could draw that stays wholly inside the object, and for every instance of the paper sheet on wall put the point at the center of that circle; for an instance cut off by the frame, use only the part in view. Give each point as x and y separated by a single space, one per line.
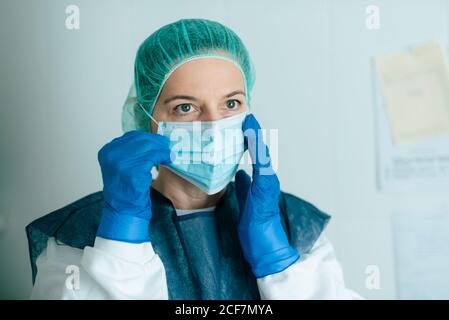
415 86
420 166
421 254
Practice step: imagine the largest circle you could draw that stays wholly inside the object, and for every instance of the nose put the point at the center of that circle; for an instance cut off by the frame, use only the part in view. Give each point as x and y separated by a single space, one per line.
211 114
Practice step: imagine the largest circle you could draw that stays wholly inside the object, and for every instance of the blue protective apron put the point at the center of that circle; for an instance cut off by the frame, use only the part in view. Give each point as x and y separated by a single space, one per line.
200 252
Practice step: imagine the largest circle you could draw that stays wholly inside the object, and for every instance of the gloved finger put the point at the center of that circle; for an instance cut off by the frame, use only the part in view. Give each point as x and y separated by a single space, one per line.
134 144
140 166
126 137
145 138
258 150
144 145
155 156
242 185
139 142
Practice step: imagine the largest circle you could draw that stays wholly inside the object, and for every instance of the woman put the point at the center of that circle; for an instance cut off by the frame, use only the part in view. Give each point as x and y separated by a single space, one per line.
190 233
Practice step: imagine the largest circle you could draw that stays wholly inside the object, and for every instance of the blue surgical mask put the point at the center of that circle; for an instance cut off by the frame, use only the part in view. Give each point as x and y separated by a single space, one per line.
207 153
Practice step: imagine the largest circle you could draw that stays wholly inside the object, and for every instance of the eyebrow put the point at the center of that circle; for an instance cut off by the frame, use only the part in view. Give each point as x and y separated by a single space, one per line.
233 93
186 97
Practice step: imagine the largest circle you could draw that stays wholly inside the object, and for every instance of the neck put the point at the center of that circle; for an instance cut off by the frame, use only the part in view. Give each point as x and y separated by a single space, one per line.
182 193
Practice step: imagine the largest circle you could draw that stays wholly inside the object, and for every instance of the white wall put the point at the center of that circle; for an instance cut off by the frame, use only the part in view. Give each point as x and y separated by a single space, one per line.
62 91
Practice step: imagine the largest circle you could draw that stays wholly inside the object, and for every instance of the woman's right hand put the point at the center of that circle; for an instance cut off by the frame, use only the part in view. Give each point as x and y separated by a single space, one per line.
126 164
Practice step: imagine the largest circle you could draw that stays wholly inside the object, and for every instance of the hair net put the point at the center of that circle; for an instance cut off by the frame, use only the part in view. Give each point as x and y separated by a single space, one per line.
167 49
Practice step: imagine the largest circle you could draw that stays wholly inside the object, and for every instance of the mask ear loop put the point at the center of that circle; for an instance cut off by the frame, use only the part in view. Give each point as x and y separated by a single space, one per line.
154 120
149 115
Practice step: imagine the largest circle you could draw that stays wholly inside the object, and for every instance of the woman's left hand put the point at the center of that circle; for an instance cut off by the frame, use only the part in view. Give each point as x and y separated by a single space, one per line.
263 240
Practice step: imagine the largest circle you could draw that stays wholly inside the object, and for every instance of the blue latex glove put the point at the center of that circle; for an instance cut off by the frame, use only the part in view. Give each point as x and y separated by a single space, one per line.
126 164
263 240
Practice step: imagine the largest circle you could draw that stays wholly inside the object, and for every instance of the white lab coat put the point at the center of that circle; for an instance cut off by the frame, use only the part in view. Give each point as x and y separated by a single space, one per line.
119 270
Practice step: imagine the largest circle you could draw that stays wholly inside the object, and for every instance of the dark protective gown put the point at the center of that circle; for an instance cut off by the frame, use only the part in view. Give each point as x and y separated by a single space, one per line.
200 252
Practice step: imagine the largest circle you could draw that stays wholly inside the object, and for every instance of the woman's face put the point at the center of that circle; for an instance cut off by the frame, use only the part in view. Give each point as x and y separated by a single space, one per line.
201 90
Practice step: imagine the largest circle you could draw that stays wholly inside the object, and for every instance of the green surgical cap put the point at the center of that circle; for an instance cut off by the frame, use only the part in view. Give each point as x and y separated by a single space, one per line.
167 49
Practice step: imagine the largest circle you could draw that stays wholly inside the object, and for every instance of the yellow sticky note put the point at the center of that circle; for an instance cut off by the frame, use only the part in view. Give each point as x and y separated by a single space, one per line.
415 86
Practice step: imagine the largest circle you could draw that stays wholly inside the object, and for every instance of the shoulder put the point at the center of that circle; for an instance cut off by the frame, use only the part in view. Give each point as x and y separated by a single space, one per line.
303 221
75 220
74 225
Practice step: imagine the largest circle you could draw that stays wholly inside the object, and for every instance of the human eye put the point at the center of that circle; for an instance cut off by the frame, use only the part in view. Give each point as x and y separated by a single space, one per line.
233 104
184 109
